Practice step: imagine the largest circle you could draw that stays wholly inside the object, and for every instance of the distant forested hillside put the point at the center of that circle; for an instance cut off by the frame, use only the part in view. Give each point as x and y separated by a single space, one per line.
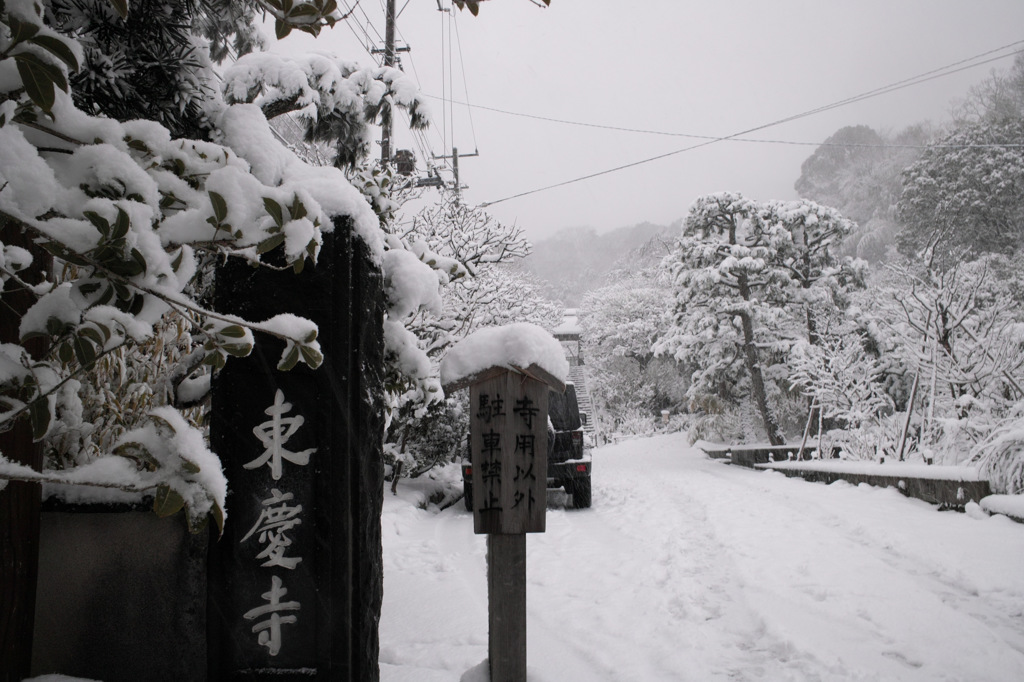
579 259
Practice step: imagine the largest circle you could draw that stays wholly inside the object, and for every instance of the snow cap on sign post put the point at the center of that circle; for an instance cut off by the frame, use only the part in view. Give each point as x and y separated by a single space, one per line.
509 372
521 347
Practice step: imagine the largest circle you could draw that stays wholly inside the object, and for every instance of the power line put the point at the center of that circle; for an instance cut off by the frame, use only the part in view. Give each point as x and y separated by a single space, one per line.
369 22
352 24
898 85
465 87
914 80
715 138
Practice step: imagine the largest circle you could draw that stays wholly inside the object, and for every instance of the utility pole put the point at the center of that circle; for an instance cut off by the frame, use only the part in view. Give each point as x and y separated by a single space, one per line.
389 60
455 169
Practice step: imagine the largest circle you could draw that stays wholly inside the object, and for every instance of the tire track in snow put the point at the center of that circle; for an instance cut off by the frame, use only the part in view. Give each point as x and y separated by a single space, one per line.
686 569
901 595
1004 617
644 548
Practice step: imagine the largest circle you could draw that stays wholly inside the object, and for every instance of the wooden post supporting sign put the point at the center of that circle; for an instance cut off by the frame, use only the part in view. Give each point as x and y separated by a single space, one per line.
509 446
506 606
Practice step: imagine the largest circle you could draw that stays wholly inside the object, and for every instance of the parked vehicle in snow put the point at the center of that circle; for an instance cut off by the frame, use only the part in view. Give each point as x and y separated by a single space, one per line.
569 460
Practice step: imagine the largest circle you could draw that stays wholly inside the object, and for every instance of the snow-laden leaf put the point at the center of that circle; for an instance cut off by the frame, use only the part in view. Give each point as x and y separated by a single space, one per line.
40 79
275 210
311 356
289 358
20 30
167 501
58 48
220 207
121 225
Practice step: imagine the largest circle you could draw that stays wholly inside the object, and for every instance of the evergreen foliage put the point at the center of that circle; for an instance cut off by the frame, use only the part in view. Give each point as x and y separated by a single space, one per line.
749 279
121 157
965 196
146 65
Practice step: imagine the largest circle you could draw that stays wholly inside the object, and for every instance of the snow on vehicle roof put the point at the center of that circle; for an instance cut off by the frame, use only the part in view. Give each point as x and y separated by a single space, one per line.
518 345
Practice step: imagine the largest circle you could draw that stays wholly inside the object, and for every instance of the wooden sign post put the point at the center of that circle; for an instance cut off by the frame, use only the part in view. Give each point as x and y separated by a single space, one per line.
509 449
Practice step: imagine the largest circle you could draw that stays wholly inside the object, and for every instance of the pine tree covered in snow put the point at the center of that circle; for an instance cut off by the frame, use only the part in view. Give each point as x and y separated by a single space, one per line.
750 278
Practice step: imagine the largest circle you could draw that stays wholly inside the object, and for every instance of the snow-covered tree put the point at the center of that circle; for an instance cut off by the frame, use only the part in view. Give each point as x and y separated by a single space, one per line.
722 319
846 384
472 254
747 277
332 99
455 243
804 237
964 197
621 323
962 337
858 171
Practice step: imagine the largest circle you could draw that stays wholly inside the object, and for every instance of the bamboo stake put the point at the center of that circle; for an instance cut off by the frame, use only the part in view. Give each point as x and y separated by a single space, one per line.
807 429
930 419
910 412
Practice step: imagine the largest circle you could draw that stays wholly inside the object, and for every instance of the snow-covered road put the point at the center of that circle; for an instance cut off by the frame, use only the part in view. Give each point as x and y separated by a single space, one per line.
690 569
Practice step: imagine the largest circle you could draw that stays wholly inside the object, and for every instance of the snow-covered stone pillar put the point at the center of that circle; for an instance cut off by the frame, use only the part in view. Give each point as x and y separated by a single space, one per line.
19 501
295 582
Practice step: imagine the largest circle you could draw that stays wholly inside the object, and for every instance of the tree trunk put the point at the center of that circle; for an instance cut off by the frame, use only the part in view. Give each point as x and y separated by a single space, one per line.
771 426
812 328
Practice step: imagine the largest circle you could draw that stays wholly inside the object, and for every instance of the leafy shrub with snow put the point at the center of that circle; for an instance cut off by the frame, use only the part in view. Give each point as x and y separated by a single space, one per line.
1000 455
418 445
134 195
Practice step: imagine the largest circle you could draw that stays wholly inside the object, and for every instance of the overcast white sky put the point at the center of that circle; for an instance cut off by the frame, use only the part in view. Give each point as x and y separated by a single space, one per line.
697 68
